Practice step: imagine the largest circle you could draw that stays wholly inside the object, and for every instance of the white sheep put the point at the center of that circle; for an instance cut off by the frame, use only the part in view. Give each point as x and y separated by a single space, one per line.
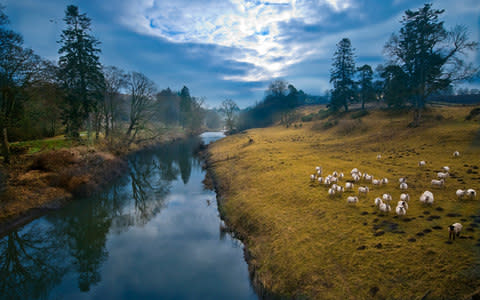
404 197
331 192
421 163
400 210
354 171
387 197
384 181
446 169
335 174
379 156
367 177
319 173
378 201
356 178
403 186
438 183
454 230
341 175
349 185
456 154
403 203
340 189
326 181
384 207
402 180
318 169
352 199
442 175
312 177
471 193
363 190
333 179
376 182
426 197
460 193
320 180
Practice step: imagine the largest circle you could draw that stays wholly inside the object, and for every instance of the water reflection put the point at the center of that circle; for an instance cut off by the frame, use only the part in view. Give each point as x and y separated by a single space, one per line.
84 247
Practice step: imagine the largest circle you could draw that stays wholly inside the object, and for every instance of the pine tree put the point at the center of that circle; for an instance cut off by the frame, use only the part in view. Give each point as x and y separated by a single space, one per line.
185 106
341 75
80 70
366 91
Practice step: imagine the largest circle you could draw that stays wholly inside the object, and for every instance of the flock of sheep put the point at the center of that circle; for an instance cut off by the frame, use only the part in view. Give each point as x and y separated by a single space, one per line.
383 203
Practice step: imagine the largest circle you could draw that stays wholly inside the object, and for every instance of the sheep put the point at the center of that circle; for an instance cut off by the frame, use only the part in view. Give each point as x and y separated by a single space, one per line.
442 175
352 199
312 177
454 229
461 193
319 173
320 180
404 197
367 177
456 154
333 179
356 178
384 207
403 186
471 193
403 203
354 171
376 182
438 183
331 192
421 163
400 210
349 185
340 189
402 180
387 197
446 169
426 197
341 175
384 181
318 169
335 174
363 190
379 156
378 201
326 181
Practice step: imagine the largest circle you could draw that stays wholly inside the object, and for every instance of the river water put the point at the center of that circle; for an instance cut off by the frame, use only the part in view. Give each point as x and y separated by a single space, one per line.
152 234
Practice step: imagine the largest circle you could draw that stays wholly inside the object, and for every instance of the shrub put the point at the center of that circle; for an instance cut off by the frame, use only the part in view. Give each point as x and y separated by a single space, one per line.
473 113
360 114
323 114
346 127
307 118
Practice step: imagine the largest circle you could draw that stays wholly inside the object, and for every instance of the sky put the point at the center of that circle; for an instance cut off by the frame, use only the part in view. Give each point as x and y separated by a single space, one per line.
232 48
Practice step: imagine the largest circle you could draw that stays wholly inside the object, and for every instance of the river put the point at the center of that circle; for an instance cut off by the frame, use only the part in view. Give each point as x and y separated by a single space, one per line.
152 234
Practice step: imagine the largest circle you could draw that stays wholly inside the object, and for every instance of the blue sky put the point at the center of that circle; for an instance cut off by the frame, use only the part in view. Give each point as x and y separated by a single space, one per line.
231 48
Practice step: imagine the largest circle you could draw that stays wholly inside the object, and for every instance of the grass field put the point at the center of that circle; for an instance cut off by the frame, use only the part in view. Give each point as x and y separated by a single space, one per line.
304 243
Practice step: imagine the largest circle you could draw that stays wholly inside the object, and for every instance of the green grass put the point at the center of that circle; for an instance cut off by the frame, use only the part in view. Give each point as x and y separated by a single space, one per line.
304 242
35 146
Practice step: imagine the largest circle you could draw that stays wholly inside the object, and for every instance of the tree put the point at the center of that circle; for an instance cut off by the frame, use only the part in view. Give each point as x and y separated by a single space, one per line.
430 56
80 70
395 92
341 75
115 81
142 91
185 106
17 66
366 91
228 108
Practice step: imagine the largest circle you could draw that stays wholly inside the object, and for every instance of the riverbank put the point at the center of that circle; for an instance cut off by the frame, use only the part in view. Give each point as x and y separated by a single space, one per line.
47 180
304 244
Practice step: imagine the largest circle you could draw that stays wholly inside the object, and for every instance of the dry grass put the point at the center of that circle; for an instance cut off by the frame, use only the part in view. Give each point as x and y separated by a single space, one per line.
304 243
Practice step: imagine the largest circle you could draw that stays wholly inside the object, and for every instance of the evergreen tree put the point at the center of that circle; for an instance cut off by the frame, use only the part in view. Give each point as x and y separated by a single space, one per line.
429 55
80 70
365 83
185 106
341 75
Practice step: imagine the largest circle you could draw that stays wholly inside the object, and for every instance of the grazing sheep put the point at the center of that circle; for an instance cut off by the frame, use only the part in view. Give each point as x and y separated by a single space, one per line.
400 210
438 183
442 175
378 201
356 178
326 181
405 197
426 197
354 171
456 154
341 175
320 180
349 185
403 203
318 169
421 163
454 230
376 182
402 180
379 156
384 207
363 190
319 173
333 179
367 177
446 169
331 192
312 177
340 189
384 181
387 197
471 193
352 199
335 174
403 186
461 193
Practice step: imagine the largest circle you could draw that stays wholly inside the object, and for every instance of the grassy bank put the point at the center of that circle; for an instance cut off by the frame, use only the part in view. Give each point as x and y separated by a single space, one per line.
304 243
46 174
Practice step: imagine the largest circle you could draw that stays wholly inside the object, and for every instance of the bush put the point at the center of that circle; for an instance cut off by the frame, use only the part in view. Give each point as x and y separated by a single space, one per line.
473 113
307 118
323 114
359 114
346 127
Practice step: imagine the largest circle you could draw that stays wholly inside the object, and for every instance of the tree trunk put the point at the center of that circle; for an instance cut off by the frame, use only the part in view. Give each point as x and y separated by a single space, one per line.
5 146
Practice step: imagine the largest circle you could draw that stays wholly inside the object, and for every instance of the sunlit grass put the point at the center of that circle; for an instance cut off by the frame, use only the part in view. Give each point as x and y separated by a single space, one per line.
304 242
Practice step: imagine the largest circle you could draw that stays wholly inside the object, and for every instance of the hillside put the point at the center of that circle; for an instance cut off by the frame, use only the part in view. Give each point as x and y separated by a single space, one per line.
303 243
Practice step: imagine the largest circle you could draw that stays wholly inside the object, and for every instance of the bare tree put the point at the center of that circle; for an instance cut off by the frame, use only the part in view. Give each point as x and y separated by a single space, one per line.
228 108
115 81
